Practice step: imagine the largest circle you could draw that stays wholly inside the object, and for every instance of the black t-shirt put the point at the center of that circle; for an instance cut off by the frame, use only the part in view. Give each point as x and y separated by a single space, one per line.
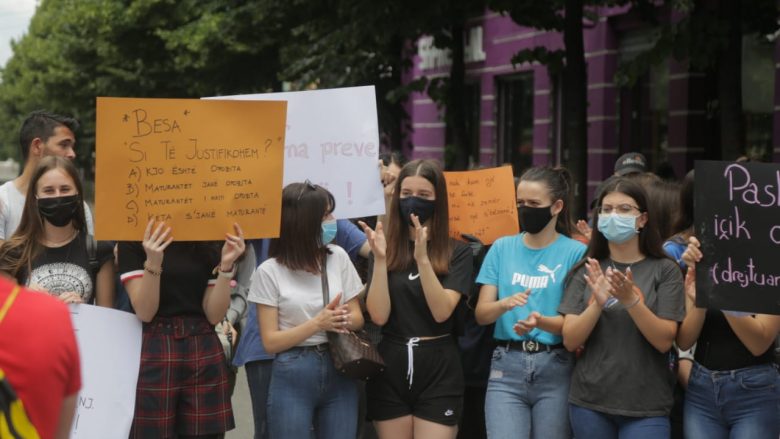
410 315
186 273
66 269
719 348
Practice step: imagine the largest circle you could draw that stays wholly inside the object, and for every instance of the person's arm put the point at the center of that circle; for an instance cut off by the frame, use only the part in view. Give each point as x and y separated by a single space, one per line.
217 298
365 249
441 301
333 317
378 294
659 332
690 328
577 327
144 291
489 308
67 412
551 324
105 285
757 332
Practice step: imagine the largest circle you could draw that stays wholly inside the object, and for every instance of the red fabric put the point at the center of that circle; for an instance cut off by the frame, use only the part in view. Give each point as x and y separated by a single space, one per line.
39 355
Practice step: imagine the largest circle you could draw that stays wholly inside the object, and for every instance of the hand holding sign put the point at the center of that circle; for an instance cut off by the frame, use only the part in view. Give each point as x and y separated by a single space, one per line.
692 253
156 240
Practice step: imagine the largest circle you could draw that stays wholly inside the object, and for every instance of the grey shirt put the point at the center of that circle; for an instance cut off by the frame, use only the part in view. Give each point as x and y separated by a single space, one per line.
619 371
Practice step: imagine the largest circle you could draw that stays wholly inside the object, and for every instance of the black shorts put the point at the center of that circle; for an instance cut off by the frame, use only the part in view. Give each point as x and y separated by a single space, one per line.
436 390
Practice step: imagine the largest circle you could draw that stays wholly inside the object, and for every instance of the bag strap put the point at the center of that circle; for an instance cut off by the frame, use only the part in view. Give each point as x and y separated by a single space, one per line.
9 301
324 277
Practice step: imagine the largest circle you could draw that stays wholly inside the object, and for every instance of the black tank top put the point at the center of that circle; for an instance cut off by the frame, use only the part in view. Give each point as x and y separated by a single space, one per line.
719 348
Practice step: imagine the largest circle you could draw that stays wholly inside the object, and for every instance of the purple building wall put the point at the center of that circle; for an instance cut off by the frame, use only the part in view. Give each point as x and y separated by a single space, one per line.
502 38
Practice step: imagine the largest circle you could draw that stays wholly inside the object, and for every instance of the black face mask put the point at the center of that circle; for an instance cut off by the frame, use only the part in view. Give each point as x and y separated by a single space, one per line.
59 211
419 206
533 219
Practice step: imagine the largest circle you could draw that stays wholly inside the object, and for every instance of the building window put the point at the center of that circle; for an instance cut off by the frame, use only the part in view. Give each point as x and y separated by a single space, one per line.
515 120
758 92
471 114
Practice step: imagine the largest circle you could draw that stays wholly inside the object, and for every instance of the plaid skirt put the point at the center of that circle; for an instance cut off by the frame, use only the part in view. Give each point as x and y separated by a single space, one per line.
183 382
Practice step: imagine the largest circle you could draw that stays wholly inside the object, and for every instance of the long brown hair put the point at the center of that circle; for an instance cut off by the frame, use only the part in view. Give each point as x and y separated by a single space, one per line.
400 255
24 246
299 245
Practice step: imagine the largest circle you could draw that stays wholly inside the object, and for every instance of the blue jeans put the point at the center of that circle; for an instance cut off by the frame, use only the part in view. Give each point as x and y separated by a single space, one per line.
588 424
740 403
258 376
306 391
528 394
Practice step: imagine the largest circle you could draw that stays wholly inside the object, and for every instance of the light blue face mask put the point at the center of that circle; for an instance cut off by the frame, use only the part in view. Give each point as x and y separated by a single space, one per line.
617 229
328 231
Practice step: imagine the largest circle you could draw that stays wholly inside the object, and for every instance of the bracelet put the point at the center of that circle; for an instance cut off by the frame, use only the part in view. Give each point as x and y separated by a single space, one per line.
638 299
151 270
227 274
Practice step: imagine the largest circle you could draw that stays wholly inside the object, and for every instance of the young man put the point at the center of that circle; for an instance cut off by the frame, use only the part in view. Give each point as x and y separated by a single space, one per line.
41 134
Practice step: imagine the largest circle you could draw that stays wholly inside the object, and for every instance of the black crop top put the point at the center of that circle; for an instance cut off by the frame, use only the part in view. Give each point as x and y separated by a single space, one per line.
410 315
719 348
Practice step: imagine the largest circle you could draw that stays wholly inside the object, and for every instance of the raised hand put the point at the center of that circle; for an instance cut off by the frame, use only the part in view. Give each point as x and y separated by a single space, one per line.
156 240
693 253
232 249
420 240
597 282
515 300
334 317
584 228
376 239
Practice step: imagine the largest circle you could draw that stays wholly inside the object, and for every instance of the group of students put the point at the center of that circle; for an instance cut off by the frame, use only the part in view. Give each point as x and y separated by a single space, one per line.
587 318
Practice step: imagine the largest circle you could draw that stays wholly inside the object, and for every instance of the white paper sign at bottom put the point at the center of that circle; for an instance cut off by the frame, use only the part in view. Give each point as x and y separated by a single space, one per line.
110 349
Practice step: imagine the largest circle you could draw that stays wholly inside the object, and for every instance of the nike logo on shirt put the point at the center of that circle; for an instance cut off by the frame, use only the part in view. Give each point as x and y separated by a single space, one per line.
413 276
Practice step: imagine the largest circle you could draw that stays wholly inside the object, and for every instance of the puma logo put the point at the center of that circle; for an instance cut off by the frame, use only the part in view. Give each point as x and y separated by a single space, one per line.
544 269
413 276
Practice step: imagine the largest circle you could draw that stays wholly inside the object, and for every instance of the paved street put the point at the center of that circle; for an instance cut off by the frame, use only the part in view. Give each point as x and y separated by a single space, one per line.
242 410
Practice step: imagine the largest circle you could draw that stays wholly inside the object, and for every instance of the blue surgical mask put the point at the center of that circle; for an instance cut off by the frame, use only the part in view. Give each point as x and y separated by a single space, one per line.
328 231
616 228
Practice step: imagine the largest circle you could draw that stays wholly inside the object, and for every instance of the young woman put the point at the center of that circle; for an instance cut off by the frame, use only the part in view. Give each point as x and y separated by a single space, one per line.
305 389
52 250
415 284
522 281
622 304
733 389
180 290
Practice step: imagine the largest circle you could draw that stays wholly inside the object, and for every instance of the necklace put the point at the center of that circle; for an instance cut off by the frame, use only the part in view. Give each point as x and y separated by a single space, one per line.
49 243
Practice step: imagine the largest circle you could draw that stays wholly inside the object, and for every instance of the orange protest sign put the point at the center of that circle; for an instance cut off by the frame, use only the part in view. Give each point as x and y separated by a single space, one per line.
198 165
482 203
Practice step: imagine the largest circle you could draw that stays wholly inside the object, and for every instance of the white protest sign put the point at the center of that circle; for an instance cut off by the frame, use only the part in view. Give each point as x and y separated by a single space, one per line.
332 139
110 349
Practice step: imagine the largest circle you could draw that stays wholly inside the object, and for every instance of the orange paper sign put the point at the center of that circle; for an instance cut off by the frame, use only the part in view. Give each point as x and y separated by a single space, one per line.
482 203
198 165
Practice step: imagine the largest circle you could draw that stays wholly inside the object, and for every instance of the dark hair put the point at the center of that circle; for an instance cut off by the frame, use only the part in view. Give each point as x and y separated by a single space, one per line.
393 157
664 199
559 183
684 220
299 245
41 124
650 243
24 246
400 254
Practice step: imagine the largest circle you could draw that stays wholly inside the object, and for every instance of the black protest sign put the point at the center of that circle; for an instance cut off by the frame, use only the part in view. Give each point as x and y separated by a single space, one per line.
737 220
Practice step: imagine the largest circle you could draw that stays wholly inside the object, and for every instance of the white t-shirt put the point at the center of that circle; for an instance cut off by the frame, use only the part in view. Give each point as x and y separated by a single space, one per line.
12 206
297 295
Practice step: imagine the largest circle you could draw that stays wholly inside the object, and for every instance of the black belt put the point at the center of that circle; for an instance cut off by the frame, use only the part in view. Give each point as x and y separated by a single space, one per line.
529 346
317 347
